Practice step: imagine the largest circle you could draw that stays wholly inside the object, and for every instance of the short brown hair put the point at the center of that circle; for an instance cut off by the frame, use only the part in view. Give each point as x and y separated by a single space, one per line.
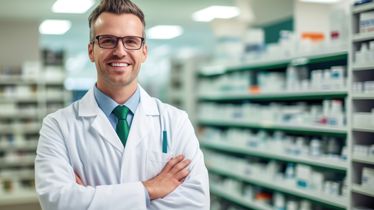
116 7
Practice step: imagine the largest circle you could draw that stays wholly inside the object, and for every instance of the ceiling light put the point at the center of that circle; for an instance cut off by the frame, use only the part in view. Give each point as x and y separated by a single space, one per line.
212 12
164 32
321 1
55 27
72 6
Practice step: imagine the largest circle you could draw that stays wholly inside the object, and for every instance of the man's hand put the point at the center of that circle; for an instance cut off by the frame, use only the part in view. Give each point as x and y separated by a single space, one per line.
171 176
78 180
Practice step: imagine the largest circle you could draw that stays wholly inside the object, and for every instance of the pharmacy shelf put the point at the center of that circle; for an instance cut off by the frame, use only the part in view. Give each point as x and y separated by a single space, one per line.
16 80
18 174
363 8
29 161
338 202
237 198
363 159
363 96
18 115
278 63
275 126
4 99
363 190
18 197
369 129
363 67
22 130
265 153
286 95
360 37
283 63
357 102
24 146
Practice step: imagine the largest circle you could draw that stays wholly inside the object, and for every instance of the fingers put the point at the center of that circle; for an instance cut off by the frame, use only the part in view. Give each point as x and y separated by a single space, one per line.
78 180
172 162
182 174
182 165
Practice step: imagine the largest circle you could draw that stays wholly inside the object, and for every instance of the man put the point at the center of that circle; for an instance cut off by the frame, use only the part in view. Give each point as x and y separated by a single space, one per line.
118 148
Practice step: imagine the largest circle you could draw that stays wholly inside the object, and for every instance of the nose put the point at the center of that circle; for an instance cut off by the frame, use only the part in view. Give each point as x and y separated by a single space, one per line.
120 49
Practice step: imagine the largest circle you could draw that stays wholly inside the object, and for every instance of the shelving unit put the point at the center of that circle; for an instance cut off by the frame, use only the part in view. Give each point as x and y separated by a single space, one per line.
264 153
237 198
231 97
362 110
24 101
279 186
182 84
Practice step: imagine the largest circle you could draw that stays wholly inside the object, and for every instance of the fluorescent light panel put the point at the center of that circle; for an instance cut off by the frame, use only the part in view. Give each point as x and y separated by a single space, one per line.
164 32
321 1
54 27
72 6
212 12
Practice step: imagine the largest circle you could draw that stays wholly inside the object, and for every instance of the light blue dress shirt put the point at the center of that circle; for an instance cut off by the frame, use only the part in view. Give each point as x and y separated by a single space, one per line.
107 104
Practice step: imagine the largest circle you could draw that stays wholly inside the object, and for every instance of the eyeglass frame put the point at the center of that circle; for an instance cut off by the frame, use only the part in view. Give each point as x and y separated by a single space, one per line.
118 38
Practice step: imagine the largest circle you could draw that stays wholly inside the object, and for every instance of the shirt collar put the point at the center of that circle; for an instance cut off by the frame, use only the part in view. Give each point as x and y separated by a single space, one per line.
107 104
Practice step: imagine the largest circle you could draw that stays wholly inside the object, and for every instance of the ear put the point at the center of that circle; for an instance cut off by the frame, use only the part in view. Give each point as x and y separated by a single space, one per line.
91 52
144 52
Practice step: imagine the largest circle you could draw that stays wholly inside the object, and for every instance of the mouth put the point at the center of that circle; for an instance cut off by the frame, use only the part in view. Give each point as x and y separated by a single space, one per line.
119 64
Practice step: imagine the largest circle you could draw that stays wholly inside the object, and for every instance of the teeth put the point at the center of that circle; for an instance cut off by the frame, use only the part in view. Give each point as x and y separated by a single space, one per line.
120 64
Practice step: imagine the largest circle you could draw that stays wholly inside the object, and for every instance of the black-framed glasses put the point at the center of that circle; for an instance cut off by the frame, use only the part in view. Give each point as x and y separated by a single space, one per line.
129 42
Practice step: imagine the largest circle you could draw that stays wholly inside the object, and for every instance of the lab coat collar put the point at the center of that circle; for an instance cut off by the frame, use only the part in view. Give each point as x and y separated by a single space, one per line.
88 107
148 103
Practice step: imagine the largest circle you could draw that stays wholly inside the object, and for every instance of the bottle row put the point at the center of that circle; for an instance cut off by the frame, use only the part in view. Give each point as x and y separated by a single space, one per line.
15 158
293 80
290 175
25 109
20 126
18 141
322 148
363 87
33 71
363 150
363 119
365 53
329 112
26 91
256 195
16 181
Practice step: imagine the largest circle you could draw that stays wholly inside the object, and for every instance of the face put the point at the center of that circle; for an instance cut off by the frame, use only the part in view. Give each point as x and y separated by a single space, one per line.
117 68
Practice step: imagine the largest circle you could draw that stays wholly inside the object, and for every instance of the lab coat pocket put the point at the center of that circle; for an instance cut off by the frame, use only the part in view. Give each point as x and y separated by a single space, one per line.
156 162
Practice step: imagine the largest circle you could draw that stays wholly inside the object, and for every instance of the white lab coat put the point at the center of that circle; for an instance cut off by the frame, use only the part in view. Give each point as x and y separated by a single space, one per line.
80 139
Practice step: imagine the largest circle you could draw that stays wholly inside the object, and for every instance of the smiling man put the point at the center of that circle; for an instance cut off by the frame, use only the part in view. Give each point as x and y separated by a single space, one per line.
117 147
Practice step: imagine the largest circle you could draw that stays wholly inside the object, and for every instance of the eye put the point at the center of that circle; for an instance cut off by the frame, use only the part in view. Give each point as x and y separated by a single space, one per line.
131 41
108 41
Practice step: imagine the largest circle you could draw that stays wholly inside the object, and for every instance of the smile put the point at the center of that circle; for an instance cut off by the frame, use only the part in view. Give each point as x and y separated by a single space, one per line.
119 64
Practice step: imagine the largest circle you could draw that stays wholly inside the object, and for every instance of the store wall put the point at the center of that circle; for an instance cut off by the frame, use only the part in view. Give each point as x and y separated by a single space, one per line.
272 30
19 42
310 17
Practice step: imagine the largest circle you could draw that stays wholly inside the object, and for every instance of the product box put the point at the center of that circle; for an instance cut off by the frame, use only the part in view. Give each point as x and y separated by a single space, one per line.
366 22
367 179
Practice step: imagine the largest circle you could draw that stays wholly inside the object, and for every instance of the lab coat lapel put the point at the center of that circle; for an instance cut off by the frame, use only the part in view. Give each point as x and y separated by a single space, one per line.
88 107
141 128
141 124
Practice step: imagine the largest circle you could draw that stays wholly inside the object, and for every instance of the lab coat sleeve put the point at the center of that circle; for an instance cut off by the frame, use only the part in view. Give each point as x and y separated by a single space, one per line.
193 193
55 179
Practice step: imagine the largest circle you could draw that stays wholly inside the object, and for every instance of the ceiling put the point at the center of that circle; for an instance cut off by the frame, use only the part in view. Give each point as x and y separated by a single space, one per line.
197 36
156 11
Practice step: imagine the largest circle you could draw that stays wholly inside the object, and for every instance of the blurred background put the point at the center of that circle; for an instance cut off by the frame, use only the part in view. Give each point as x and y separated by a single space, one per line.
281 93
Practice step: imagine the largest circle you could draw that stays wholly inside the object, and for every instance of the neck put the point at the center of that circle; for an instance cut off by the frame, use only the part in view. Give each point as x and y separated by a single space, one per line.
119 94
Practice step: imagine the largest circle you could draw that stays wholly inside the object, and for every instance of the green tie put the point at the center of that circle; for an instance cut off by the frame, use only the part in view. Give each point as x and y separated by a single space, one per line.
122 127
